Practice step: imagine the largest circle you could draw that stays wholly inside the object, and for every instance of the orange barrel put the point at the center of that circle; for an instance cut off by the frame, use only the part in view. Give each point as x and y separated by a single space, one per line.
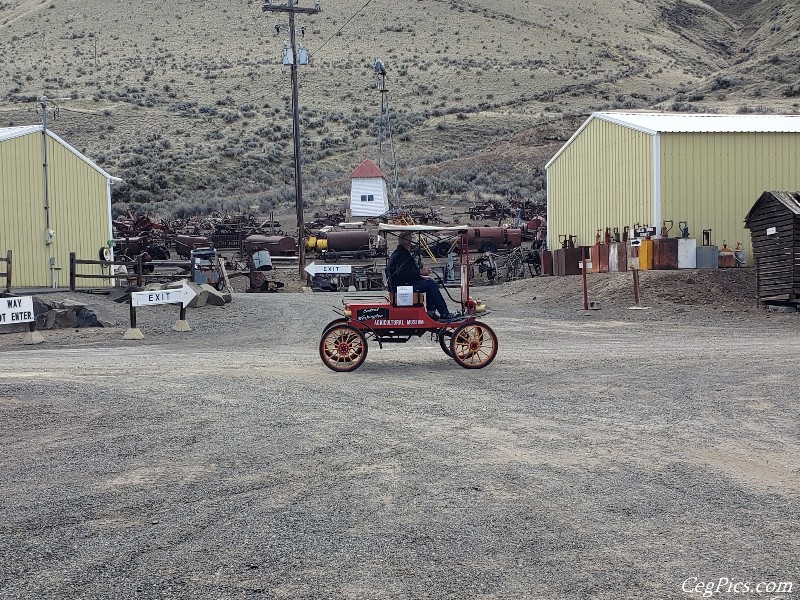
646 255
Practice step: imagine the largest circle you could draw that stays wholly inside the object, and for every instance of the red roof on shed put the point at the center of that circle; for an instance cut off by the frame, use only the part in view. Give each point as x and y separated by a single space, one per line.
367 169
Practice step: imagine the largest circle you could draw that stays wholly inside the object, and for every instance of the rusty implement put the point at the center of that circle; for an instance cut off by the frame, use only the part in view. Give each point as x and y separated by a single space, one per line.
263 281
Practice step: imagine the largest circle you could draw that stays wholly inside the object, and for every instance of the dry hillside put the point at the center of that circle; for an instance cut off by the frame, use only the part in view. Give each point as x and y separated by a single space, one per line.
190 104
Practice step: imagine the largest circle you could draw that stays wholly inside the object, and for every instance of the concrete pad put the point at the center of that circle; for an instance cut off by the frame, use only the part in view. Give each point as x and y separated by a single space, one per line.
181 325
133 334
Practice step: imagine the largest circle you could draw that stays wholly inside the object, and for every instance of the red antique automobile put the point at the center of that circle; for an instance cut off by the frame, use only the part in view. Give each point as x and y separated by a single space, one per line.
468 341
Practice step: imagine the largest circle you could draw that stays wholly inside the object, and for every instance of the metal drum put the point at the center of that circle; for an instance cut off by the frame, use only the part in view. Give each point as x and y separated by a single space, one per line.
346 241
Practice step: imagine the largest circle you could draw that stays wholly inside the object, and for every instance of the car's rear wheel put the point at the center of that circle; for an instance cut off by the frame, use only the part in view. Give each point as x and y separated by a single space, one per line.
444 336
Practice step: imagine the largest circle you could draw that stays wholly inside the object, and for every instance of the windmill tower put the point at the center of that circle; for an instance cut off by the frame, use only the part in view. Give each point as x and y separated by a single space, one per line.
385 133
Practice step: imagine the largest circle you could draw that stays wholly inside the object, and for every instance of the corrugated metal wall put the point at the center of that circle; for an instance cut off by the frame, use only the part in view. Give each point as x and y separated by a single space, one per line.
79 211
602 179
712 180
365 186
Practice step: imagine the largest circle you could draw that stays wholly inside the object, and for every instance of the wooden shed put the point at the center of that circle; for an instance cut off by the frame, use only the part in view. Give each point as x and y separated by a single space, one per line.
774 224
54 201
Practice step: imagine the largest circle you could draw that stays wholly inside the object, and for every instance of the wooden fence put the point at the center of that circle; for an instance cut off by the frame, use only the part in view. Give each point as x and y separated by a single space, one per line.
7 272
134 276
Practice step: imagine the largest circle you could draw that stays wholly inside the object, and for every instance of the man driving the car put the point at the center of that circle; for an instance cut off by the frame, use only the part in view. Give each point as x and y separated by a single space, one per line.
404 270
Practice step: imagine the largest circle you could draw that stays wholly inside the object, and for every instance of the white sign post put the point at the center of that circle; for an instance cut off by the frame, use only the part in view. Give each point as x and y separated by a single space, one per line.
20 310
315 269
182 295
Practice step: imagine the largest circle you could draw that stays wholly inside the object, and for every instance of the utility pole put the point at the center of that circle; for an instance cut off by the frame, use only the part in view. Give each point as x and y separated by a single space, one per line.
291 58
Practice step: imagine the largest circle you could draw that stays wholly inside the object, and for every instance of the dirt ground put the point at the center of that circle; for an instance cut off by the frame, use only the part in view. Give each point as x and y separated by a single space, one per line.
611 454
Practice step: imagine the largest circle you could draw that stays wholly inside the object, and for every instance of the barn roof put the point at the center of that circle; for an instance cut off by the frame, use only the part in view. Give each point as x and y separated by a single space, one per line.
703 123
8 133
654 123
367 170
790 200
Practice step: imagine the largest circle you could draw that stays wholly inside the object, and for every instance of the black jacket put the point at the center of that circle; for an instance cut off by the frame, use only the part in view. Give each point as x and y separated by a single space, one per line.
402 268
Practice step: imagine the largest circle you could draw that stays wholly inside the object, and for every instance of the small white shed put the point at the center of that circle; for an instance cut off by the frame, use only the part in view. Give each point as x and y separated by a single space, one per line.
369 195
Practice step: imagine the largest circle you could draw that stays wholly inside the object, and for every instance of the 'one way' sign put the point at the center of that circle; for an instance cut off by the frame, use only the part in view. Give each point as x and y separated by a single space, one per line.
16 310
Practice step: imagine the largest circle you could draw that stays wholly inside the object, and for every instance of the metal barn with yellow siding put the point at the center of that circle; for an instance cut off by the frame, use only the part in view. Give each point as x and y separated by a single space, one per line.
43 222
620 169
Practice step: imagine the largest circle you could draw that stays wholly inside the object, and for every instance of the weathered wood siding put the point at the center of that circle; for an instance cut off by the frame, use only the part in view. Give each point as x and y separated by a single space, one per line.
777 254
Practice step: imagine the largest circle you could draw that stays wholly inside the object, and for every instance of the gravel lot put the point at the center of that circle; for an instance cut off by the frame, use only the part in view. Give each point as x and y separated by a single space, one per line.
608 454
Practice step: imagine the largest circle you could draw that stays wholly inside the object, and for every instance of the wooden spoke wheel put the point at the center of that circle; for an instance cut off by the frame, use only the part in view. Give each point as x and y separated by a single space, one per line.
342 348
473 345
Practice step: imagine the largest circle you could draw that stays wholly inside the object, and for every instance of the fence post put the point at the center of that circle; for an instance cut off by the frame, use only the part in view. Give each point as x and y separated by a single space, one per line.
636 288
140 274
8 271
585 287
72 269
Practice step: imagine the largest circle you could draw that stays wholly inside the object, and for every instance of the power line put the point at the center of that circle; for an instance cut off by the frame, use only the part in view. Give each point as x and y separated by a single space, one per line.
355 14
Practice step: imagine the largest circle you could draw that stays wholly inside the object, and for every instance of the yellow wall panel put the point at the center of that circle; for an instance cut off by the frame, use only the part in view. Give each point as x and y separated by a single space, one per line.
712 180
602 179
79 210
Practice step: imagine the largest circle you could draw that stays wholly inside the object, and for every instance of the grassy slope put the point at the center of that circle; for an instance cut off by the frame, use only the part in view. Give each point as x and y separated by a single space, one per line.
189 103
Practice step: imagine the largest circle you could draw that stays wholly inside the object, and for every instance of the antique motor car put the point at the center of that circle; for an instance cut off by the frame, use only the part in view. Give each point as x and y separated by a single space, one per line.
401 315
